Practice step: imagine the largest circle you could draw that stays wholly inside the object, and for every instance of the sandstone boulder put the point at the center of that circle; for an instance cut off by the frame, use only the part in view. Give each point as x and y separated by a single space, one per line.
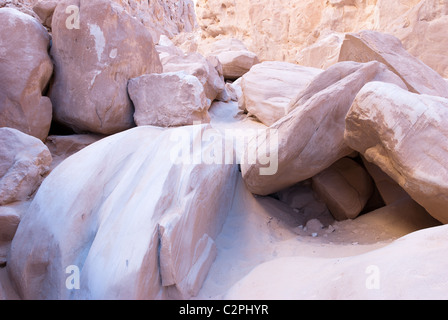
138 219
345 187
197 65
9 221
370 45
93 63
311 136
24 160
25 69
168 100
45 9
404 134
236 60
269 87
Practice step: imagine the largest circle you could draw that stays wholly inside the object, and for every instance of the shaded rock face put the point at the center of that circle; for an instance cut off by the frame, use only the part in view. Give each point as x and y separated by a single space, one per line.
24 161
137 224
413 153
93 64
25 70
311 136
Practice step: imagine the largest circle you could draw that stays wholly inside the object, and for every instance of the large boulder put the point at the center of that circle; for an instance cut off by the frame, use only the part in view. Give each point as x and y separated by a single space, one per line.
404 134
24 161
168 100
137 220
202 68
235 58
370 45
269 87
93 63
311 136
25 69
345 187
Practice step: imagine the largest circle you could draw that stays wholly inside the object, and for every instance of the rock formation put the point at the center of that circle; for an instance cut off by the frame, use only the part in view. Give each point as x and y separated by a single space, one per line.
282 150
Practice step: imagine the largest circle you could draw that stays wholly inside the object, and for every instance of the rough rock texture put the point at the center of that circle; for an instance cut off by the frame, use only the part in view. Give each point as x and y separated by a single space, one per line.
269 87
160 17
311 136
25 69
234 57
168 100
345 187
94 63
369 45
136 224
24 160
404 134
197 65
280 30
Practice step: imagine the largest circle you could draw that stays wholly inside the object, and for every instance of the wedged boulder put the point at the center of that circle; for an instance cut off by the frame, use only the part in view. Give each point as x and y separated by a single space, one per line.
93 63
404 134
345 187
197 65
371 45
235 58
9 221
311 136
138 218
168 100
45 9
25 70
389 190
269 87
24 161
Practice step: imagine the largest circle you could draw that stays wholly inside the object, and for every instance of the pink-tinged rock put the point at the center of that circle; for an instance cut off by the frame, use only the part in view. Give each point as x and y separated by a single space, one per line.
24 161
195 64
94 62
25 69
311 136
138 221
168 100
235 58
345 187
370 45
404 134
269 87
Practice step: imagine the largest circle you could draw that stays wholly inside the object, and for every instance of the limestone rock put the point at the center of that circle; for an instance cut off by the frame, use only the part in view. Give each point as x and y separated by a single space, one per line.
403 133
345 187
168 100
369 45
25 69
269 87
138 219
311 136
24 160
94 63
